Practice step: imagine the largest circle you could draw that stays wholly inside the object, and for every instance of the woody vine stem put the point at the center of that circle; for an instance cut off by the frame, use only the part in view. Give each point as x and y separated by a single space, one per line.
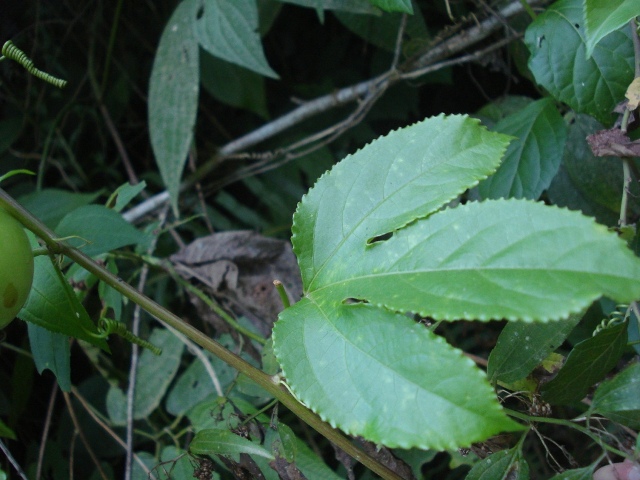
271 384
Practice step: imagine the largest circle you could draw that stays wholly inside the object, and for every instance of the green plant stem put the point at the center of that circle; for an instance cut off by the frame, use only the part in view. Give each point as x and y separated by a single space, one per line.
566 423
268 406
269 383
636 45
282 292
166 266
218 310
528 9
18 350
626 169
112 41
636 312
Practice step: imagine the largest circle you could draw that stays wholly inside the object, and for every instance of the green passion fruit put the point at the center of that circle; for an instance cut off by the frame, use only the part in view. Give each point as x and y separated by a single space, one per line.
16 267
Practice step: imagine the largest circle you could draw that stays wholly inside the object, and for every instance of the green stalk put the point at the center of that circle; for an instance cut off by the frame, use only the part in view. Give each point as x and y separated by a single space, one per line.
528 9
112 41
272 384
566 423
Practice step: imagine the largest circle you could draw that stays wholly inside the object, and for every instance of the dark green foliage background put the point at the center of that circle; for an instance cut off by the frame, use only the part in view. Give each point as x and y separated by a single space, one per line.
85 141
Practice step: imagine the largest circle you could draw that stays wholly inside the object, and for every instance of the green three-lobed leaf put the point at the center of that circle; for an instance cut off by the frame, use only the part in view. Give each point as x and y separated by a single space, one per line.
372 239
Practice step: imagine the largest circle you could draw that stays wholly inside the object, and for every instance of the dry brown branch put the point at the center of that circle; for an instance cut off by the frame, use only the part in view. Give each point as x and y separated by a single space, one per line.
449 47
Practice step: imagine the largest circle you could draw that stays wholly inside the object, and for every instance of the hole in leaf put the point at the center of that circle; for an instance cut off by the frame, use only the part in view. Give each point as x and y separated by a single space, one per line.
380 238
353 301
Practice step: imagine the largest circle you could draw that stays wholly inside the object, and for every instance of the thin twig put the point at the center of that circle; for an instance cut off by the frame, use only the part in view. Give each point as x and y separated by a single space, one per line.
636 45
294 150
398 48
272 384
135 350
492 11
72 453
12 460
82 436
626 182
636 311
467 38
192 161
107 429
528 9
197 351
472 57
106 116
45 430
451 46
128 166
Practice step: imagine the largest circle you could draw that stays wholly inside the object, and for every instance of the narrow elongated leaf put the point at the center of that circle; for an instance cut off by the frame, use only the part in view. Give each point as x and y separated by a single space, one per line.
153 378
381 376
97 229
228 29
51 352
619 398
533 158
588 363
522 346
173 96
558 61
604 16
405 175
224 442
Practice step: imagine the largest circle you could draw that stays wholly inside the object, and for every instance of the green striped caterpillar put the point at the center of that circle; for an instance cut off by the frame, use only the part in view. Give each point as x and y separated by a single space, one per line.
616 317
107 326
10 51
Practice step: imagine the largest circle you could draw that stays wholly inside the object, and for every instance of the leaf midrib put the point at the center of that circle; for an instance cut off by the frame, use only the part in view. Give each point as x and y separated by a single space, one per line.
343 282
